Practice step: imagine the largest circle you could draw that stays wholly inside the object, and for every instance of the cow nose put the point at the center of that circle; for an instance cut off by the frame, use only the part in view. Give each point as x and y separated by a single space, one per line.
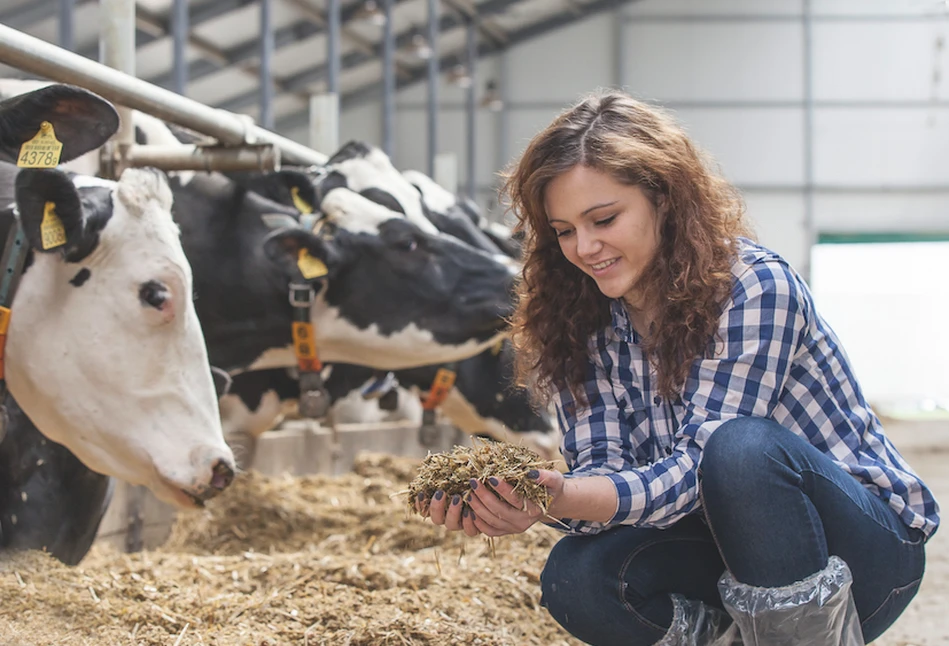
222 475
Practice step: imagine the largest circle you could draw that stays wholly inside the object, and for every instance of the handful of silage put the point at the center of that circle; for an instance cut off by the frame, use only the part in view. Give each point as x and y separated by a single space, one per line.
451 472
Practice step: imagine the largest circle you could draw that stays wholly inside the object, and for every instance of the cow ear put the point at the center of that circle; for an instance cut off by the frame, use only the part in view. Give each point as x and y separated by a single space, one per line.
303 254
50 210
222 381
79 119
288 187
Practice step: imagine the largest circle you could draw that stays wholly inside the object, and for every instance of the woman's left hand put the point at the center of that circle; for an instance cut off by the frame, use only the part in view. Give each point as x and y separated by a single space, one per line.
507 513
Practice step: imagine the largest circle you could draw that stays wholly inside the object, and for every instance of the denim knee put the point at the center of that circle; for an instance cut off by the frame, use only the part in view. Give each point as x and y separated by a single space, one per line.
733 451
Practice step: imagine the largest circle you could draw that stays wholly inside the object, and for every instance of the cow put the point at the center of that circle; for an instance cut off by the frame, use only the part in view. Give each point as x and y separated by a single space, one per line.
393 296
103 351
455 212
482 402
49 500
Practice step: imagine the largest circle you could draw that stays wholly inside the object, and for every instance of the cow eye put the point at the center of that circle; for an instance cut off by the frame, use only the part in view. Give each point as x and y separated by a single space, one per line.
154 294
407 245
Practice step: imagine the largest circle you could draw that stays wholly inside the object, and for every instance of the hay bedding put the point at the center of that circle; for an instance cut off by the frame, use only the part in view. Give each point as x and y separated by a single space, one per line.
312 560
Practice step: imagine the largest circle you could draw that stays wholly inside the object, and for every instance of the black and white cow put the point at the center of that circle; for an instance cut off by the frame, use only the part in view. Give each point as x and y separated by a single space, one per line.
368 171
394 297
483 402
104 351
455 211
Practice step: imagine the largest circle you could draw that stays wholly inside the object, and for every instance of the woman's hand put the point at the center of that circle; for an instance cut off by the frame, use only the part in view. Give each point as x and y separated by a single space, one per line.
490 514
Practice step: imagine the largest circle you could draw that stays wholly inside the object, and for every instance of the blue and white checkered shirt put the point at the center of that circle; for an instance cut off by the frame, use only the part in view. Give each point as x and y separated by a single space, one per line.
775 358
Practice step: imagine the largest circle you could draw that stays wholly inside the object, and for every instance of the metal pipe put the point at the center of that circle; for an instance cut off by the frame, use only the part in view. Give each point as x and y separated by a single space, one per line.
810 233
117 50
264 158
504 118
67 29
179 33
332 46
266 56
433 60
471 38
39 57
388 82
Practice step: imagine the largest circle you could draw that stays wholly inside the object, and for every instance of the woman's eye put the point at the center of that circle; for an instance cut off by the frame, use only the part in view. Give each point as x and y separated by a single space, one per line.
605 221
563 234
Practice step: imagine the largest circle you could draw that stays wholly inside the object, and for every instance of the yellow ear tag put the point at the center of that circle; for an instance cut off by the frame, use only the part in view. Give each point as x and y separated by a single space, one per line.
301 205
52 231
309 266
42 151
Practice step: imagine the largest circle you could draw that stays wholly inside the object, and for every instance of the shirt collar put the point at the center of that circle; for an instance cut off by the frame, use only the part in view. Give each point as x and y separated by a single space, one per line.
621 325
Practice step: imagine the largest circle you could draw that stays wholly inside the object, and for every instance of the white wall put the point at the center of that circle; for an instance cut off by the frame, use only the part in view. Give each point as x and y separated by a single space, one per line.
733 71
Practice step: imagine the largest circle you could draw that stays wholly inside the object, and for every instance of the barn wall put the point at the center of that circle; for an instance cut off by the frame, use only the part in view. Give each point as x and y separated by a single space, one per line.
733 71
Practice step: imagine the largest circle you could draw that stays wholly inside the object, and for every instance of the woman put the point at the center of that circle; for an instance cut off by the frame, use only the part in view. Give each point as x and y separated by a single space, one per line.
721 454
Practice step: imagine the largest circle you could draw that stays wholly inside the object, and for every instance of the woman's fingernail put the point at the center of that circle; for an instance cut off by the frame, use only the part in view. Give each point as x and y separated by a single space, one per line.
465 512
472 515
421 496
533 474
493 481
439 494
455 500
473 484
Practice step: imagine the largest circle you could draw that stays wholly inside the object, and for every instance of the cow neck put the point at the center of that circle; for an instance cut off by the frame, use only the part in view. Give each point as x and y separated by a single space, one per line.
11 263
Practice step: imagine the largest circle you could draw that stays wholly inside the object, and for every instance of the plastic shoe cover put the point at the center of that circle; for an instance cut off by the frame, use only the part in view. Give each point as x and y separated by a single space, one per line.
697 624
818 611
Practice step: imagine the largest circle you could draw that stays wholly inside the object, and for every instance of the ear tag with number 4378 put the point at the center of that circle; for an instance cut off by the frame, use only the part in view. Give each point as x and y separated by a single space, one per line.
42 151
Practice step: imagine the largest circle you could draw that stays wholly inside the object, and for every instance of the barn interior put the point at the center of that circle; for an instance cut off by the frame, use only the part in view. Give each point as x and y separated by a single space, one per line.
828 115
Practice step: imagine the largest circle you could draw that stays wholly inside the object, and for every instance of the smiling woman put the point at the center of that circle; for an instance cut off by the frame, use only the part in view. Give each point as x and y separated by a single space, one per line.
721 455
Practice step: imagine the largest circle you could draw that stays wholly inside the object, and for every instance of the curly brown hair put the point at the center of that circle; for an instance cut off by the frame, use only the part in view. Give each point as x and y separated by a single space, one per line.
560 307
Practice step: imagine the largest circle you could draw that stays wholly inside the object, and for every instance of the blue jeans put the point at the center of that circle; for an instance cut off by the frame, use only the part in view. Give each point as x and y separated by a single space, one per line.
777 508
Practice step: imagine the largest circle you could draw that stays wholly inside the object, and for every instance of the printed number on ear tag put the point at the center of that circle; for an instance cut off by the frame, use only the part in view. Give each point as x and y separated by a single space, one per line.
52 231
42 151
309 266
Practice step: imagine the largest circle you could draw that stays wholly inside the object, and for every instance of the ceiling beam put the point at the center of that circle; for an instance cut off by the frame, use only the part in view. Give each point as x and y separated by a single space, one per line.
449 60
33 12
303 80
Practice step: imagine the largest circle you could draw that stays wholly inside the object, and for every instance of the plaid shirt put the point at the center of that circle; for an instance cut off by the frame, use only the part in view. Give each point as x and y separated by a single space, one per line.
775 358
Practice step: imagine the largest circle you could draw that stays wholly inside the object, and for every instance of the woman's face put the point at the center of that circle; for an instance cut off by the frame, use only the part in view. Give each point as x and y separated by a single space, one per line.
608 229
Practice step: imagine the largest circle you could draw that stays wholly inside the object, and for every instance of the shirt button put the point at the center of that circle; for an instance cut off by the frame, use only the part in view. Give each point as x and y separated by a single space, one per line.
657 400
668 450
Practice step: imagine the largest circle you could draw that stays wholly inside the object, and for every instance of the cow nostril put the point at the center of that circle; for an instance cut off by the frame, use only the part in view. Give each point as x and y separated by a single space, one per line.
222 475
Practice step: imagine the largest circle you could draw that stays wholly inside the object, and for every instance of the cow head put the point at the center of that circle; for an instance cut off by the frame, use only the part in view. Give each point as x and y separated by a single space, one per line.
395 296
104 350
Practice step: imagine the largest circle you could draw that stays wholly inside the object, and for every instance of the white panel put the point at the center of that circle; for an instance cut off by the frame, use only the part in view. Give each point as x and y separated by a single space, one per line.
778 222
762 147
411 145
363 123
875 147
717 7
880 60
715 60
843 8
893 329
552 67
525 125
881 212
